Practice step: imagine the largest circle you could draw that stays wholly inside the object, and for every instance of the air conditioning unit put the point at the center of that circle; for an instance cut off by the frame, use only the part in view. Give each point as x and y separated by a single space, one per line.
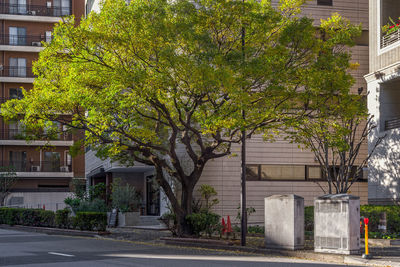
36 44
35 168
33 13
64 169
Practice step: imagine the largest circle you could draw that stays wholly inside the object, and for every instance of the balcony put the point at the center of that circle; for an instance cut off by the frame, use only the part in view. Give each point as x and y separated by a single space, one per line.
13 71
22 40
37 166
34 10
390 39
16 134
392 124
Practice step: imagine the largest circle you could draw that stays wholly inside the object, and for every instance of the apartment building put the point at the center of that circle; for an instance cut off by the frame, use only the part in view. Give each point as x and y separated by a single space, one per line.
44 172
273 168
383 101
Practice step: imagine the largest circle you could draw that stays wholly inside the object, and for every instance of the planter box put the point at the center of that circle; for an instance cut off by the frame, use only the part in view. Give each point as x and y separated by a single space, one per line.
128 219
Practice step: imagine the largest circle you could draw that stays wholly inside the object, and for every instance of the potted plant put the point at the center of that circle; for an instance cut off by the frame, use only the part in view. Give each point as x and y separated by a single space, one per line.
126 200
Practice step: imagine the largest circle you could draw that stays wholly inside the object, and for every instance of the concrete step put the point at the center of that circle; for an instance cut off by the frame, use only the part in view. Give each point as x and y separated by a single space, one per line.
149 220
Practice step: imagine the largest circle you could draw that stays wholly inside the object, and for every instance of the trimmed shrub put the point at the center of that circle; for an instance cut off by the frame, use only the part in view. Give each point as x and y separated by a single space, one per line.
207 222
373 213
62 219
90 221
9 215
36 217
27 217
309 218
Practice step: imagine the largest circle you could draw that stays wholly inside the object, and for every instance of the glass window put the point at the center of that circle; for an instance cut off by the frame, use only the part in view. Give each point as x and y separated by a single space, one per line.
16 93
51 162
314 172
283 172
252 173
324 2
18 160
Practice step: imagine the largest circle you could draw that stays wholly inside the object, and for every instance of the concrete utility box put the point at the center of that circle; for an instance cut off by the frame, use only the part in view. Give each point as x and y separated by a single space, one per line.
337 224
284 222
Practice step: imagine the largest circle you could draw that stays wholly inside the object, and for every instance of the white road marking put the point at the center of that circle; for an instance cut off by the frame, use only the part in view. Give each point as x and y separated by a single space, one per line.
61 254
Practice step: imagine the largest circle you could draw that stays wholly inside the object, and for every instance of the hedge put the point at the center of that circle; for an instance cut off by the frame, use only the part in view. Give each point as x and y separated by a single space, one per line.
91 221
369 211
45 218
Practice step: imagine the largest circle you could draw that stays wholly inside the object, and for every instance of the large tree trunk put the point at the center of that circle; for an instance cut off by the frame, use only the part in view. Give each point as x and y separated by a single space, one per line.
185 229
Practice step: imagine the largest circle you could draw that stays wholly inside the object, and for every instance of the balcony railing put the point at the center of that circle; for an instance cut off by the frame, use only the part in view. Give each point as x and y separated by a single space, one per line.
392 124
11 71
21 40
16 134
34 10
36 166
389 39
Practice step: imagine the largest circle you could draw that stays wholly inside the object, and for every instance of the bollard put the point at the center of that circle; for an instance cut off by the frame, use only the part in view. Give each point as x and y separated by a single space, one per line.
366 255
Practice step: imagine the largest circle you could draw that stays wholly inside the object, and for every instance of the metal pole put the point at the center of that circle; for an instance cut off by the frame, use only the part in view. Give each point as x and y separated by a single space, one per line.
244 209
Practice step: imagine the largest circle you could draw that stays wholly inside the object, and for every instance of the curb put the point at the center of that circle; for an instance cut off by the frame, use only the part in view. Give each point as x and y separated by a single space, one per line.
301 254
52 231
358 261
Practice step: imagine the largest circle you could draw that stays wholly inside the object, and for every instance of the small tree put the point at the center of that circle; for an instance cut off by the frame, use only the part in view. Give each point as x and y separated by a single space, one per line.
124 196
8 178
336 134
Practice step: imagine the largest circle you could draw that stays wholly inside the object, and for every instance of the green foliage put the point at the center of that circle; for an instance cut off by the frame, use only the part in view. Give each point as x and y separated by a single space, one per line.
207 192
204 222
249 210
95 205
8 178
79 188
309 218
124 197
90 221
97 191
255 229
62 219
28 217
373 213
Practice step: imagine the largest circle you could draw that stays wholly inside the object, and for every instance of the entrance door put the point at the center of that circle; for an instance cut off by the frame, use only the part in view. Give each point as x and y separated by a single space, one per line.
152 197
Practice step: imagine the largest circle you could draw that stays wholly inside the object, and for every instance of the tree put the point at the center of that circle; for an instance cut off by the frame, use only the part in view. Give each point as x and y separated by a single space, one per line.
336 133
8 178
165 82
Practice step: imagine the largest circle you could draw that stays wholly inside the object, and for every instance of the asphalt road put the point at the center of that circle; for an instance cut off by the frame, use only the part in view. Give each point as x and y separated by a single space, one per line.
33 249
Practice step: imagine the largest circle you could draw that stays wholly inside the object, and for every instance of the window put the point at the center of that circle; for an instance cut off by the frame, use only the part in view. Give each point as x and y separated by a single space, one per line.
17 6
48 36
252 172
16 93
62 7
17 67
18 160
17 35
282 172
51 162
324 2
314 173
273 172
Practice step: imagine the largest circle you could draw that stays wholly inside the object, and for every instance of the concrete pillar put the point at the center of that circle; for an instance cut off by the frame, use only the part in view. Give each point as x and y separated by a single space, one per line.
284 222
337 224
